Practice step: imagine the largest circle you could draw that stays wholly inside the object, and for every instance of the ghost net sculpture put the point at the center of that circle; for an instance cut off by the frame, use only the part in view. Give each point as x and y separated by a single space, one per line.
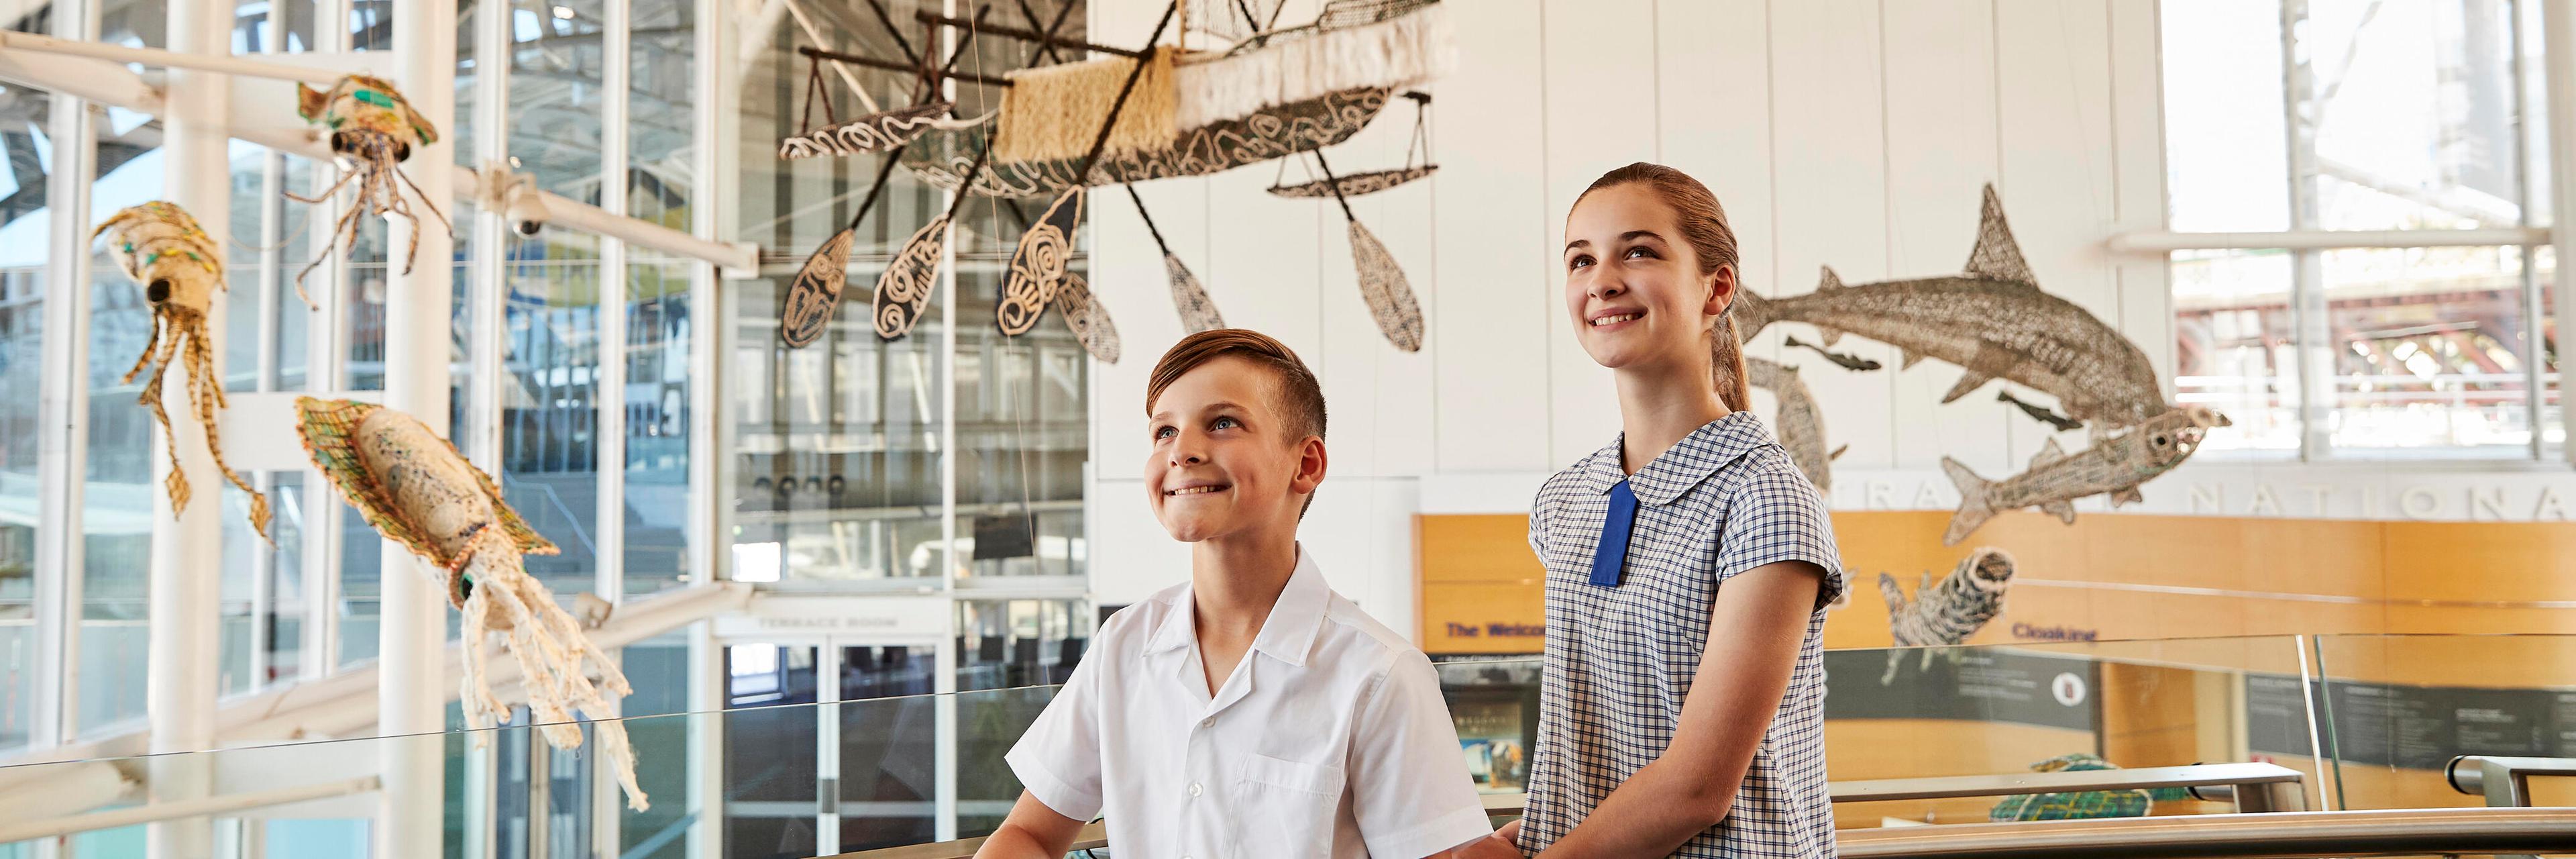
373 129
417 491
180 268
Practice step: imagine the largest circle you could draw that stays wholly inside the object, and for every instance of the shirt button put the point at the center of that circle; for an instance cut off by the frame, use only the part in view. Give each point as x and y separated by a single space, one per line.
1194 791
1208 722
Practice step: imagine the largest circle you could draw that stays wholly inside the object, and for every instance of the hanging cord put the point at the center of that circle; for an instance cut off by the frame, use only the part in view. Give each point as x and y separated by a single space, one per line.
1421 141
1335 184
1100 142
1149 219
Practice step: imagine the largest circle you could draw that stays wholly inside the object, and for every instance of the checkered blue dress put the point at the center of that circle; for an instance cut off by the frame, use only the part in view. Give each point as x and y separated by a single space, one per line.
1621 659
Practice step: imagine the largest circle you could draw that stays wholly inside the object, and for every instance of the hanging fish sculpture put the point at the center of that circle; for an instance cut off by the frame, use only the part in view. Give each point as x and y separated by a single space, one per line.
1949 612
416 490
2116 464
1991 320
1844 360
1800 423
2038 412
180 268
372 132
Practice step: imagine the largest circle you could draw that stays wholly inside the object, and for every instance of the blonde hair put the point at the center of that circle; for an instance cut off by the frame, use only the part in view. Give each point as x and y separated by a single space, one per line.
1703 225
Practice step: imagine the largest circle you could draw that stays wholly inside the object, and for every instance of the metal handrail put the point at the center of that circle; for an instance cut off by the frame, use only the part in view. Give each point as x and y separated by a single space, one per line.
2276 835
2505 781
2253 787
2265 835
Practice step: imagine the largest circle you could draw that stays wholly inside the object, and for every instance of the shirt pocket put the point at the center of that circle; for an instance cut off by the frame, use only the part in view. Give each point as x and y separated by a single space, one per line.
1286 808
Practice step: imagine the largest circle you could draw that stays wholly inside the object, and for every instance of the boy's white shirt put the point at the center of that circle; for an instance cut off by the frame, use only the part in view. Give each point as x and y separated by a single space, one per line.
1330 738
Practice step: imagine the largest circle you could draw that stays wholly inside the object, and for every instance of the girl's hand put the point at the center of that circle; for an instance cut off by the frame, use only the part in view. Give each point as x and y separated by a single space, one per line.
1510 833
1495 846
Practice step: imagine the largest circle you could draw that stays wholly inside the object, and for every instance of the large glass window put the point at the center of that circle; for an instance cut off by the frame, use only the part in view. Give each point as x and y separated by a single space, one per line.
844 458
25 245
2387 116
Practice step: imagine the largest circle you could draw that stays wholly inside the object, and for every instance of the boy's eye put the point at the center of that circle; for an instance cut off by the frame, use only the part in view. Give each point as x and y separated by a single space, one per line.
1222 423
1164 432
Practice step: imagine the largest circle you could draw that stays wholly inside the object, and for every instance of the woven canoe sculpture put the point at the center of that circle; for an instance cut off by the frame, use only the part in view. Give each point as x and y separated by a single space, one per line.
875 132
942 157
1356 184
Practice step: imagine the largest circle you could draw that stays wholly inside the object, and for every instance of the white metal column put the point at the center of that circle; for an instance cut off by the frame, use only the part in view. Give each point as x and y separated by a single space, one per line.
410 680
2558 50
63 406
186 575
487 324
709 330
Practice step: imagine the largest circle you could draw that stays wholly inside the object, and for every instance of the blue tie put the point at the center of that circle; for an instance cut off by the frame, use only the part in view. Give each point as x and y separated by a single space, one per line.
1612 554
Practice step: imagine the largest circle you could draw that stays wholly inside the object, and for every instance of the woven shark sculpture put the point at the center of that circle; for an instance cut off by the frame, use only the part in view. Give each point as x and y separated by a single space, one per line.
1991 320
2116 464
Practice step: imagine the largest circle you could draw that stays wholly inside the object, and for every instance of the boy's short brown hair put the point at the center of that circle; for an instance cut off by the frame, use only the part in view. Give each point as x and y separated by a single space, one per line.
1301 398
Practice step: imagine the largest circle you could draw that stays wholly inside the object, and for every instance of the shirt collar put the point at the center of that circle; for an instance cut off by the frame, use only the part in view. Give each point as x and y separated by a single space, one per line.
1287 635
1711 447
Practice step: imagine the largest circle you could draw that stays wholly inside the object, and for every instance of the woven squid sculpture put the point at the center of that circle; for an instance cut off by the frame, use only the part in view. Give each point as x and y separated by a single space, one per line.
416 490
373 129
180 269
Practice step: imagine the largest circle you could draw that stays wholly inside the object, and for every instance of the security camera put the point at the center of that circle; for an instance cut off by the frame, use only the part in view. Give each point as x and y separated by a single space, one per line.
525 212
515 196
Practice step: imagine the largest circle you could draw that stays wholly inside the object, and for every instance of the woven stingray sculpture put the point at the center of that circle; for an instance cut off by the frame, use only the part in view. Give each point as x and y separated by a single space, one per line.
416 490
180 269
373 129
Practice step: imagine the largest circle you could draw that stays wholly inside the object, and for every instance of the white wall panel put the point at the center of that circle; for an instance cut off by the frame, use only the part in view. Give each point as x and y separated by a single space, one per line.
2054 109
1941 151
1493 286
1379 396
1601 113
1829 204
2138 181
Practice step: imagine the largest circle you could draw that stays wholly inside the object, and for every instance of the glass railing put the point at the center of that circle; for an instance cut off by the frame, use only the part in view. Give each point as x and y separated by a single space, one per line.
2364 722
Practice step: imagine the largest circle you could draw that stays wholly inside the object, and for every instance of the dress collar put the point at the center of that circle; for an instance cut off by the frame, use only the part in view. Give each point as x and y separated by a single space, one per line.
1698 455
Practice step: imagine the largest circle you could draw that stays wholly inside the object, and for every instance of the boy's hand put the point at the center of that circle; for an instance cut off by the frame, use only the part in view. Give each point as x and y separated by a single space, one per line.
1510 833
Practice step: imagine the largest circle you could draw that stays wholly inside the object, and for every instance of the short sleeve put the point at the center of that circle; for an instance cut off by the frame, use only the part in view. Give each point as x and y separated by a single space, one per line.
1778 516
1058 758
1408 779
1538 525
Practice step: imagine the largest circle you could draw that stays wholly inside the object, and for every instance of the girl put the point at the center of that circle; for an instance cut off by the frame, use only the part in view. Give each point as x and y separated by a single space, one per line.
1688 565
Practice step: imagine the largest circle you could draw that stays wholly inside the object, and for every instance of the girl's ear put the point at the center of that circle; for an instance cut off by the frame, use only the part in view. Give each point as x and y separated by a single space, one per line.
1721 290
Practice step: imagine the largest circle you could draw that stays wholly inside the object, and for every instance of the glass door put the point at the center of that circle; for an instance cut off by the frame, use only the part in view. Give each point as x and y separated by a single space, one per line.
858 772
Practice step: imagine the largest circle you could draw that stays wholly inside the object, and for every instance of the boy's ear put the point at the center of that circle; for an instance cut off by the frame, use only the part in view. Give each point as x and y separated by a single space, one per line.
1311 463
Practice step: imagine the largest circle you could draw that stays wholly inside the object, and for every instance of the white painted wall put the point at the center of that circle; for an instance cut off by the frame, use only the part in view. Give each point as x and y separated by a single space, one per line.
1850 133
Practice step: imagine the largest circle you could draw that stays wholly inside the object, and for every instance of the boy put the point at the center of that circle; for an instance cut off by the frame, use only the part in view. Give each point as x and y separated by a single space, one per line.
1249 711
